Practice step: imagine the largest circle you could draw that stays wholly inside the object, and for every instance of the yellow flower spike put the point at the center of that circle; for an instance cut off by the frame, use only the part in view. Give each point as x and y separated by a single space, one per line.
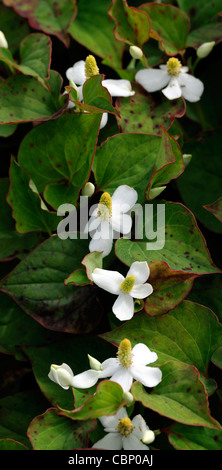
91 67
128 283
124 353
125 426
105 206
173 66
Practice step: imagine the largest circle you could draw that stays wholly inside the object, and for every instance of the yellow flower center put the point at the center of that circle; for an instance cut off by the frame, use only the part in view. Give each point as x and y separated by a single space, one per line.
91 67
105 207
124 353
125 426
173 66
128 283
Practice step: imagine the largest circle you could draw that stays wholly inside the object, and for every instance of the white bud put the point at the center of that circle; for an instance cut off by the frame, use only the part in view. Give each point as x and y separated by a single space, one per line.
129 398
3 42
205 49
136 52
88 189
148 437
154 192
94 364
62 375
186 159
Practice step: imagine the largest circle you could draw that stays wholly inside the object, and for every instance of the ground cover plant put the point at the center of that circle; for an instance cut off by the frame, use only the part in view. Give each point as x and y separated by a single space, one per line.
110 225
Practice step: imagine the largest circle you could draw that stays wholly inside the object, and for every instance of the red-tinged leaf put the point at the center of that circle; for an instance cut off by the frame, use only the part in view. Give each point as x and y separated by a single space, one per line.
215 208
132 26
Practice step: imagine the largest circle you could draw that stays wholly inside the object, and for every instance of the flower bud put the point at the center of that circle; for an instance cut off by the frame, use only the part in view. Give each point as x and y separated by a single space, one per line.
3 42
205 49
88 189
129 398
154 192
62 375
136 52
186 159
148 437
94 364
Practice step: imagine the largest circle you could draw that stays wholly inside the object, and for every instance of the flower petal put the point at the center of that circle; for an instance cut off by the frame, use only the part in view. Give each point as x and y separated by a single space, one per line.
132 442
112 441
110 422
152 79
140 426
148 376
109 367
123 307
124 378
121 223
108 280
173 90
98 243
191 87
104 120
140 270
141 291
77 73
86 379
124 197
142 355
119 87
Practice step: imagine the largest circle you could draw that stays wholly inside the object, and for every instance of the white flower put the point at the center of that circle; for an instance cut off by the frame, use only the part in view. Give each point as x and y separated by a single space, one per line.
84 69
122 432
130 363
63 376
110 218
133 286
173 80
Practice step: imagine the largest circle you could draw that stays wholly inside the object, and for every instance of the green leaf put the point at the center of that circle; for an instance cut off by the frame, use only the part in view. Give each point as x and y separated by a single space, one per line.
52 432
141 113
203 175
79 276
14 27
208 291
169 288
93 29
169 26
215 208
188 334
17 411
12 243
23 99
64 150
7 129
106 401
180 396
51 17
137 160
29 211
183 246
132 26
35 57
96 97
9 444
189 438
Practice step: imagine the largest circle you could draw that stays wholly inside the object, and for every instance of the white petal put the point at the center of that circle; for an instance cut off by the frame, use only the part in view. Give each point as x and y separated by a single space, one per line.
113 441
77 73
104 120
123 307
141 291
108 280
184 69
100 244
109 367
124 378
93 223
111 422
119 87
132 442
124 197
152 79
121 223
142 355
140 270
148 376
140 426
86 379
173 90
191 87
